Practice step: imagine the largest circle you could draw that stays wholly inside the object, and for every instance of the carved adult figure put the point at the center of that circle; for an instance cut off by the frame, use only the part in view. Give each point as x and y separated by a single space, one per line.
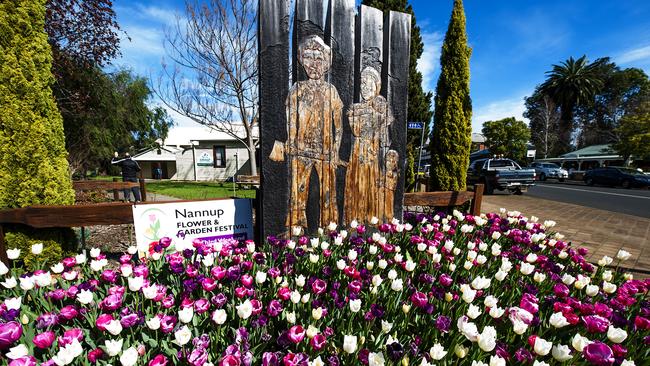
388 184
314 111
370 121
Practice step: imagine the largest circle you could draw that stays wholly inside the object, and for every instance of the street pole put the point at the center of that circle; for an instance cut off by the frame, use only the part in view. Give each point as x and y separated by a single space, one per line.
417 181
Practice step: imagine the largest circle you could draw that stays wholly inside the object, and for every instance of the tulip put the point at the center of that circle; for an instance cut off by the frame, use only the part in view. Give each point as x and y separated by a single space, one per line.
599 354
159 360
350 343
44 340
9 333
296 334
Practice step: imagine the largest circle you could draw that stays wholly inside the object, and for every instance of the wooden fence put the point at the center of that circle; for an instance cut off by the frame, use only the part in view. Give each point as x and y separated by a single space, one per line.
115 186
447 199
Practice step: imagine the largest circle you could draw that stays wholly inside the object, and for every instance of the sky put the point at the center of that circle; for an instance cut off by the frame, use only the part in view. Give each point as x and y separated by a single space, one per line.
514 42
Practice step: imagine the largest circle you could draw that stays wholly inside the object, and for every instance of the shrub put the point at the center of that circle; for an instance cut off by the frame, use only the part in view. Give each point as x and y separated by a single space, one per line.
56 244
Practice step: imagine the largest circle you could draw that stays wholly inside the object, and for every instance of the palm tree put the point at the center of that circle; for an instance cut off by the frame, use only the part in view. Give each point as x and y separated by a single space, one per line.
570 84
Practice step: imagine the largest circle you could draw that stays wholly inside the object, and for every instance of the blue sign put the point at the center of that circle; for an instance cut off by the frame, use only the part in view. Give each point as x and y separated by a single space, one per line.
416 125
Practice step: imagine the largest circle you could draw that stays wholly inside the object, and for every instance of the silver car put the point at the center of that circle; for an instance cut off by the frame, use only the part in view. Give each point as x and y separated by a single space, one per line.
549 170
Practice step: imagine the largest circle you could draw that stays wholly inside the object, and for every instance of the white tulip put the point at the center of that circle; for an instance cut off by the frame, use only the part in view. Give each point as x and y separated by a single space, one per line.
623 255
340 264
85 297
153 323
558 320
57 268
437 352
183 335
542 347
628 363
397 285
500 275
579 342
473 311
497 361
13 303
26 283
295 297
561 353
186 314
350 343
260 277
592 290
291 317
352 254
17 352
616 335
317 313
487 340
245 309
376 359
150 292
37 248
113 348
13 253
129 357
496 312
80 258
608 287
3 269
95 252
382 264
219 316
114 327
526 268
355 305
9 282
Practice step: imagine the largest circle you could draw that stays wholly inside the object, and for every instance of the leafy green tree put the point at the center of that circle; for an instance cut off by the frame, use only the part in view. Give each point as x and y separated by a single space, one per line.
452 130
634 133
622 91
572 83
115 117
33 166
419 101
508 137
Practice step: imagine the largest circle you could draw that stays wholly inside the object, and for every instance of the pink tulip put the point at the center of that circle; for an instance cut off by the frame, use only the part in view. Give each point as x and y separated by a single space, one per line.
159 360
44 340
9 333
23 361
296 333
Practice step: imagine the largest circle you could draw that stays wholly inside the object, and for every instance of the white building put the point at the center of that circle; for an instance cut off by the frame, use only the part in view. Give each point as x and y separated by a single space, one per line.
197 153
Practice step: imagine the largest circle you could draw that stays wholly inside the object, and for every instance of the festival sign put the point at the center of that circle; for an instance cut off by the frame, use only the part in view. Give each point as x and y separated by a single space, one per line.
205 220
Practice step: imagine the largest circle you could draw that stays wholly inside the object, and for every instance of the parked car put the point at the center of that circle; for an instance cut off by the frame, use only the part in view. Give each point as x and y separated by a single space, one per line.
617 176
549 170
501 174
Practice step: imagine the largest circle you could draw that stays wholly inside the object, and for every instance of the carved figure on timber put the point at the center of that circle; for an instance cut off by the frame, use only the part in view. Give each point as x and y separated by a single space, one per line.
370 121
388 184
314 111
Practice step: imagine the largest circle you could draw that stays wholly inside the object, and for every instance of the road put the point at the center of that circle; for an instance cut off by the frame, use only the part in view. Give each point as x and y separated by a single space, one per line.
629 201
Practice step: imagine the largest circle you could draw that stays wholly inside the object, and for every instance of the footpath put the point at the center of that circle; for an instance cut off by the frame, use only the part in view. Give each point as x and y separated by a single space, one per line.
600 231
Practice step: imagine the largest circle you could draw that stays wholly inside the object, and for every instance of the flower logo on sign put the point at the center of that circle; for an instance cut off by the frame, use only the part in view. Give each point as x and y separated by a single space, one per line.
152 217
205 159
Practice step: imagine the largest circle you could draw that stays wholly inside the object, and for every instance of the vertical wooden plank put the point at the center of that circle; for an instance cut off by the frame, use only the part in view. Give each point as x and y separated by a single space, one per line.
3 247
397 39
116 194
143 190
478 199
339 35
273 61
308 20
369 43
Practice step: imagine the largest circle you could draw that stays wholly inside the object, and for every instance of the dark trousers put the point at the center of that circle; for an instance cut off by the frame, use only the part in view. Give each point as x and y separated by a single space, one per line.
136 190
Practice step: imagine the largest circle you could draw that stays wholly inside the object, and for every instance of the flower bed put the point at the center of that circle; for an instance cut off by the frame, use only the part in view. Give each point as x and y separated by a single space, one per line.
467 290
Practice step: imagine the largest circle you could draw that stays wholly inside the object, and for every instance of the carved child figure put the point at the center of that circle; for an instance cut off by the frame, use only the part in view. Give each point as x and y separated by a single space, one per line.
314 111
370 120
388 184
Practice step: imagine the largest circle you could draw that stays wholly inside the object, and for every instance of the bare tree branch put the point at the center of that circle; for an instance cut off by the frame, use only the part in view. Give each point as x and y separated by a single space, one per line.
213 77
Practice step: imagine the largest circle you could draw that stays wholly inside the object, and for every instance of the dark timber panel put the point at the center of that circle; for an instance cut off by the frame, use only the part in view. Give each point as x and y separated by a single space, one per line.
397 38
369 43
308 20
273 38
339 34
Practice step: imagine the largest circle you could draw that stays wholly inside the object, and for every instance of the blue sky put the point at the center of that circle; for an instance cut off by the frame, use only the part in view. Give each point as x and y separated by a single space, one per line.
514 42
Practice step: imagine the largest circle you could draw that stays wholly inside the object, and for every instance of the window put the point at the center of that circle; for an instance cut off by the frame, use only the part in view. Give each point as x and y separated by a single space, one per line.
219 155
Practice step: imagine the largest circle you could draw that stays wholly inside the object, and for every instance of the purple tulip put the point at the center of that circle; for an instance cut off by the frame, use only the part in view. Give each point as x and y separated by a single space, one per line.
419 299
269 359
9 333
111 302
319 286
68 312
595 323
445 280
275 308
44 340
561 290
129 320
443 324
23 361
599 354
296 334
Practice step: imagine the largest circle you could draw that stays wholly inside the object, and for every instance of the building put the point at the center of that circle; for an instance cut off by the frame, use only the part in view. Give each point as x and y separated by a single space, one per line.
197 153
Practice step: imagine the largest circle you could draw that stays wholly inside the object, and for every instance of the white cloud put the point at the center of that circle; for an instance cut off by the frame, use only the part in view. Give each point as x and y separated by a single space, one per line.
427 64
635 54
165 16
144 40
512 107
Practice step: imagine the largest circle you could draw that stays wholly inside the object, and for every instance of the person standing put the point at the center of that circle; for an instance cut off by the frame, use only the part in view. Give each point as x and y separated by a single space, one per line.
130 169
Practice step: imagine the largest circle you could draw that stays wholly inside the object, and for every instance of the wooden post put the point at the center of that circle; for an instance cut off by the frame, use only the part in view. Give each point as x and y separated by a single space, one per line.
273 42
478 198
143 190
3 247
116 193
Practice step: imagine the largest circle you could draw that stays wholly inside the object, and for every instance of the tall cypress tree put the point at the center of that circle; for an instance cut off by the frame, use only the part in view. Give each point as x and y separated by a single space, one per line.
33 166
452 129
419 101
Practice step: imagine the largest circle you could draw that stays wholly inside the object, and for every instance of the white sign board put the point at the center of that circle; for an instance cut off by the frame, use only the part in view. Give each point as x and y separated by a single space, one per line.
531 153
205 159
205 220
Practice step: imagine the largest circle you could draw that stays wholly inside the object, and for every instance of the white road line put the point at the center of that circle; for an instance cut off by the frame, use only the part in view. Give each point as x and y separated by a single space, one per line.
588 191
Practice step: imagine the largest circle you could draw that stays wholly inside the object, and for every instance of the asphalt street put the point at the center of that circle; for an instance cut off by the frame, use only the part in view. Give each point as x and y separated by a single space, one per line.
628 201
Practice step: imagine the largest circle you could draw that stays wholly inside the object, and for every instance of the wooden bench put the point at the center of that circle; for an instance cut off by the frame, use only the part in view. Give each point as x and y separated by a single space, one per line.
447 199
247 181
115 186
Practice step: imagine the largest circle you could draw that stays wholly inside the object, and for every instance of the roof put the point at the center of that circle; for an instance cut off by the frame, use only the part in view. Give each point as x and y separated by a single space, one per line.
181 136
593 150
477 137
167 153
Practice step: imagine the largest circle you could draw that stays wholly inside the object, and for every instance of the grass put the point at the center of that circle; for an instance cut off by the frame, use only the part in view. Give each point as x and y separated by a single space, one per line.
198 190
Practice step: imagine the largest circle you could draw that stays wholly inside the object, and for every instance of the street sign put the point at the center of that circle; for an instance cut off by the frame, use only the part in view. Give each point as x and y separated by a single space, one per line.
416 125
